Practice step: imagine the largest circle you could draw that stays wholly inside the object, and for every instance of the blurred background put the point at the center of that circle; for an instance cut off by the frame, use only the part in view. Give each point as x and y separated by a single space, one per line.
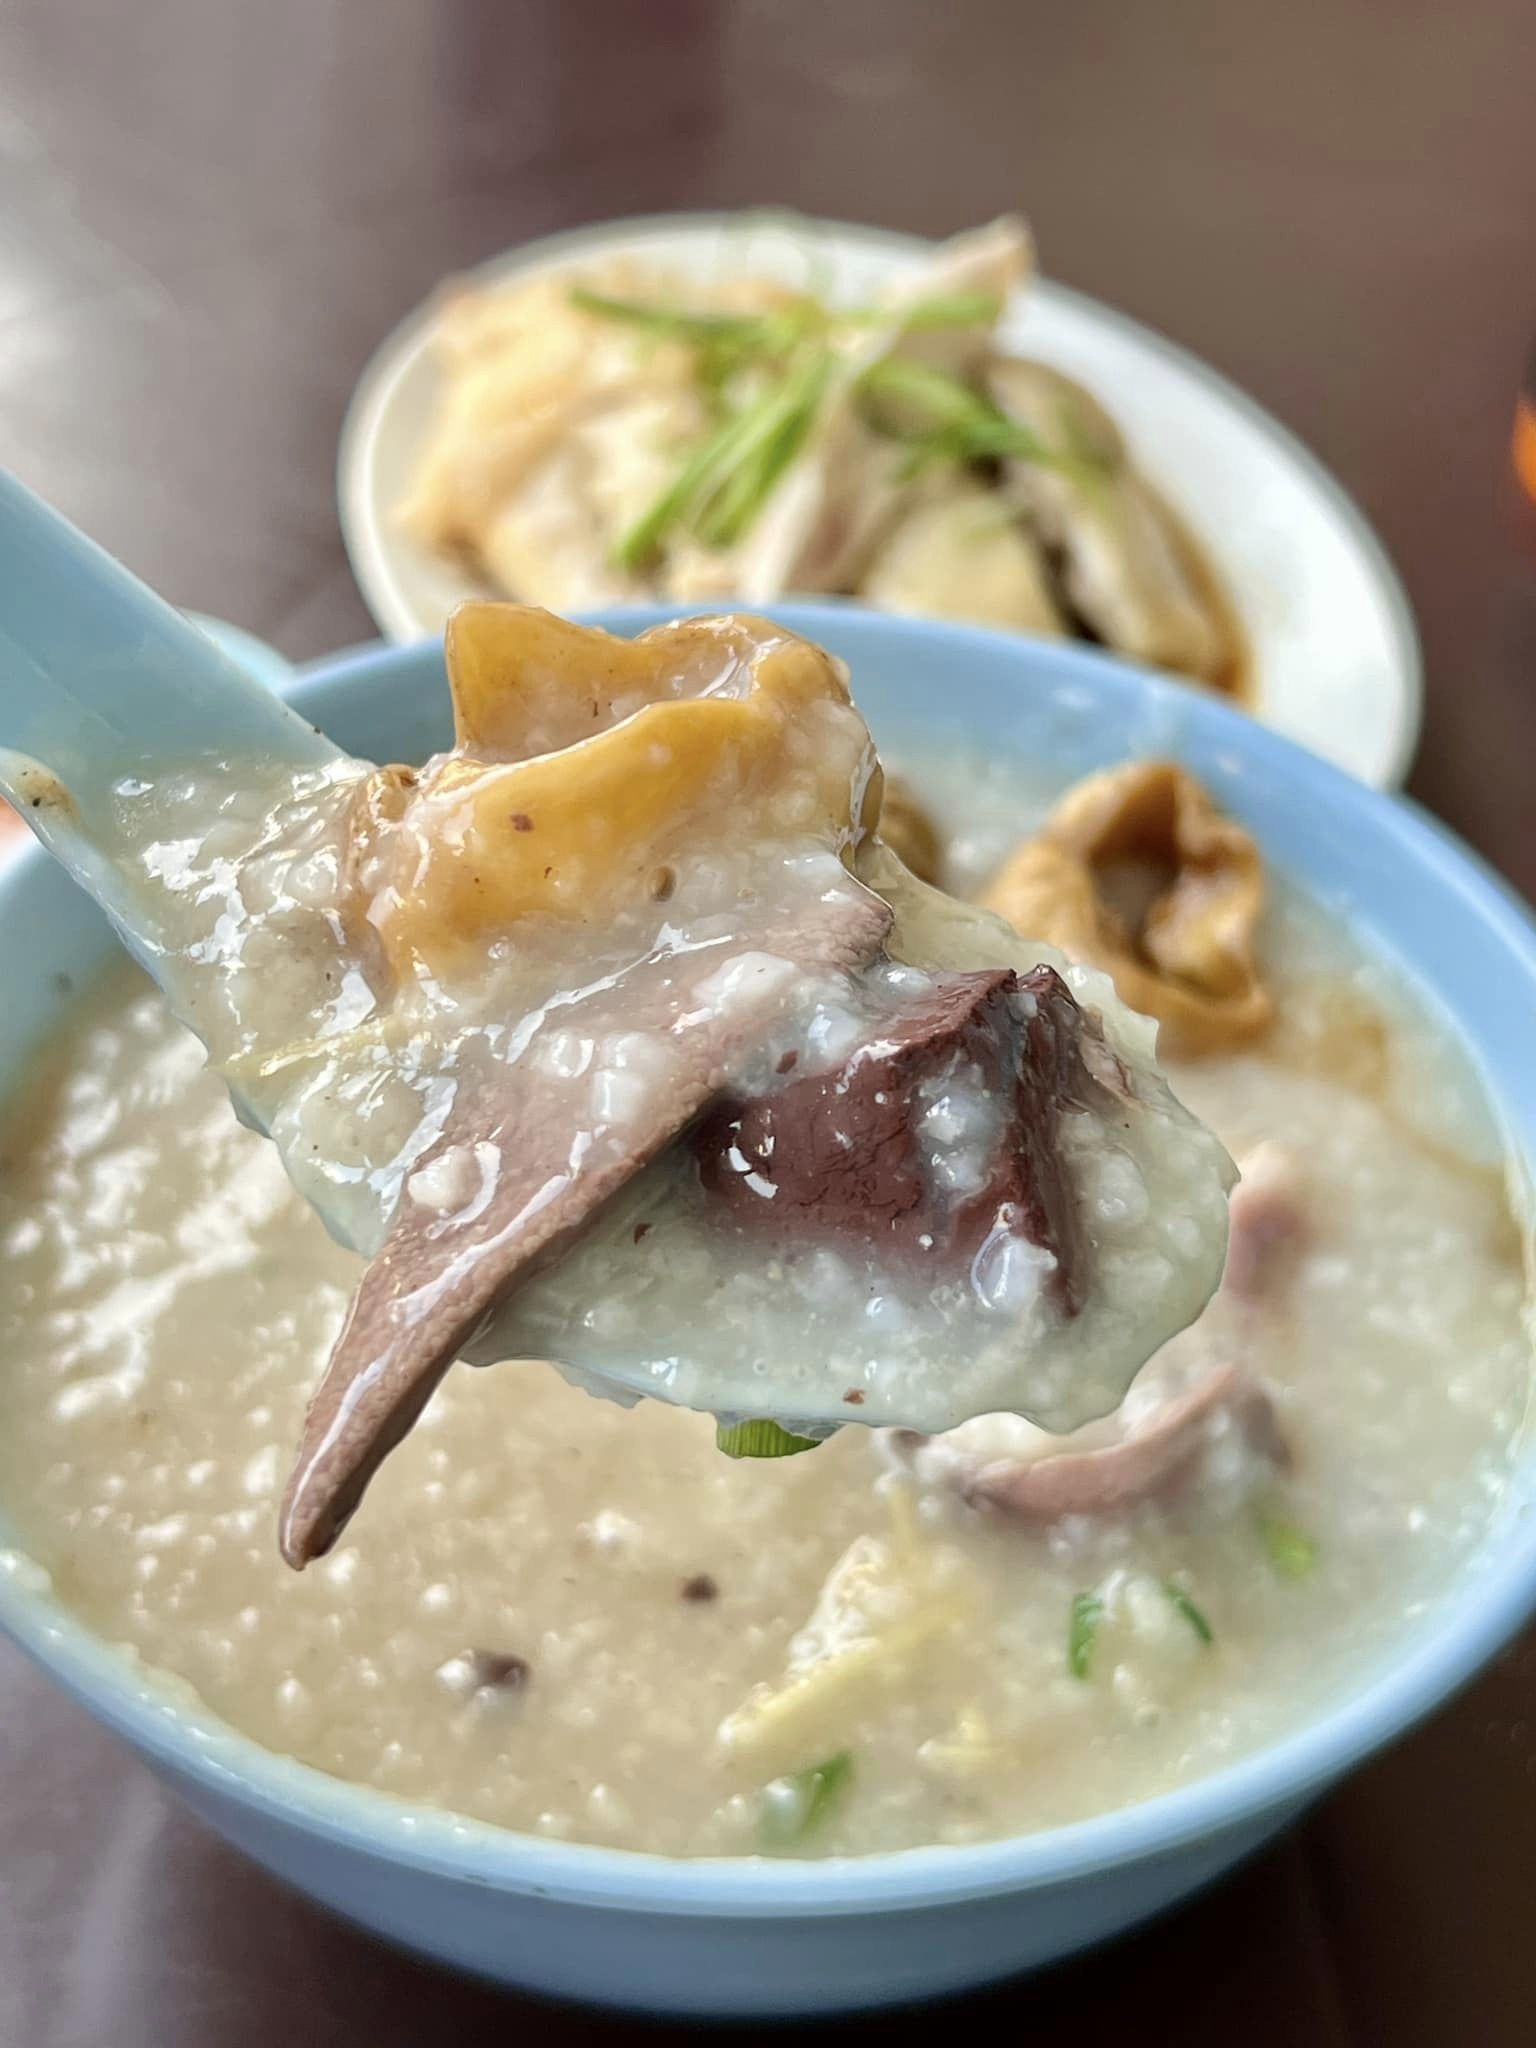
211 213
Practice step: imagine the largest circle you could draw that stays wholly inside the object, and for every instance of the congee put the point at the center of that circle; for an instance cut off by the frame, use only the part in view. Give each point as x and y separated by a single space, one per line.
580 1619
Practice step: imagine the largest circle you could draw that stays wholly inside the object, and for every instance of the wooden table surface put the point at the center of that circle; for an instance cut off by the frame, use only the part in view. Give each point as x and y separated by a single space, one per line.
209 214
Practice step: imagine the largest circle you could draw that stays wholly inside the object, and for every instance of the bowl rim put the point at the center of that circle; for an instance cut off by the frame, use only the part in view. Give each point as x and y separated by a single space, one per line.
1490 1598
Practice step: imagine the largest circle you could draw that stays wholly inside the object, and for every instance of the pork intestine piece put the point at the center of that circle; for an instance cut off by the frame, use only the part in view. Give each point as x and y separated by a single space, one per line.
1138 871
1003 1463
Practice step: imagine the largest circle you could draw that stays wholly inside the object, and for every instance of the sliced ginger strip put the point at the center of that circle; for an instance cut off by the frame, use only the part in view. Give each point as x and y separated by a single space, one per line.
882 1606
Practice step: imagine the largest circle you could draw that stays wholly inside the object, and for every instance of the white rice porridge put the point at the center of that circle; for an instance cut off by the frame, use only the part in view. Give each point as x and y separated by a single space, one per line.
580 1620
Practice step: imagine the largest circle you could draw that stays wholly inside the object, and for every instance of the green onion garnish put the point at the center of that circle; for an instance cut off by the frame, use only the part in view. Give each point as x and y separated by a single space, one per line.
762 1439
1183 1605
775 432
1087 1613
951 309
939 309
968 423
725 483
958 424
1291 1550
708 462
795 1805
768 333
743 330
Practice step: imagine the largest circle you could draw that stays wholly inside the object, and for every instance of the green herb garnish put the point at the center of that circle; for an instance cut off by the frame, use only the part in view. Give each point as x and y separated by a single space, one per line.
939 411
1183 1605
794 1806
725 483
950 309
773 332
1087 1613
752 332
762 1439
723 486
939 309
1292 1552
777 427
944 420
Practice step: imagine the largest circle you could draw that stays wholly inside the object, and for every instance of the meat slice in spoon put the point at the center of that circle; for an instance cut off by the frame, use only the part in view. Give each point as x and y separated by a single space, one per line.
935 1135
475 1004
523 1164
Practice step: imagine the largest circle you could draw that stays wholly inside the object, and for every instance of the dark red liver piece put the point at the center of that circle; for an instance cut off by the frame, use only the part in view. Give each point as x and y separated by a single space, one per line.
836 1155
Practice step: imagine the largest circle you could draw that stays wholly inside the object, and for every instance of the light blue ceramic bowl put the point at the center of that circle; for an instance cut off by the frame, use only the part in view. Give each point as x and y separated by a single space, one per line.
778 1937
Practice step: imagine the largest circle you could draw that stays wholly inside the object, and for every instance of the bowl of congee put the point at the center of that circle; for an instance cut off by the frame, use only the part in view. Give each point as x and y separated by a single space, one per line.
775 1313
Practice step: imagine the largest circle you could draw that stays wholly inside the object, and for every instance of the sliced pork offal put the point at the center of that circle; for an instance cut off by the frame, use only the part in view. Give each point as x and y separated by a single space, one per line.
934 1140
1004 1465
528 1155
615 1036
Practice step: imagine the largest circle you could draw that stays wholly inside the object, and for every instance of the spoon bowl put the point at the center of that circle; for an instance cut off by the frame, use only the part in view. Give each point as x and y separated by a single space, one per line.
100 681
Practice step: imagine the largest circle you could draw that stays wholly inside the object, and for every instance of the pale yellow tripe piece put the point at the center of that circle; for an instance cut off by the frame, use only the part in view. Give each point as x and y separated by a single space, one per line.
585 763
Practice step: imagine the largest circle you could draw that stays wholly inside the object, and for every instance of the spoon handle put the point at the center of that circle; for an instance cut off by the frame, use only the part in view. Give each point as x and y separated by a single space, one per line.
100 679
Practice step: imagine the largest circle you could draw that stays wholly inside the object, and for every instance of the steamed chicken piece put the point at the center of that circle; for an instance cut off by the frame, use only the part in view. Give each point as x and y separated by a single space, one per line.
527 369
559 429
621 431
957 553
1126 565
556 430
988 264
817 529
554 531
643 891
825 519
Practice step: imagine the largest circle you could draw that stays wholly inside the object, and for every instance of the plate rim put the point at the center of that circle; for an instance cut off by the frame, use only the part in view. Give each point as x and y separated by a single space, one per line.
365 543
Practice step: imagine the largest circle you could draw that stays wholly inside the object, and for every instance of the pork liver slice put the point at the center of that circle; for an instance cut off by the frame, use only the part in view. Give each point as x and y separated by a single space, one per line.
837 1155
436 1279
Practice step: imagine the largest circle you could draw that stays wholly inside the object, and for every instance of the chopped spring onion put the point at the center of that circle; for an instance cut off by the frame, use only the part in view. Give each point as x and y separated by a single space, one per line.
939 309
1087 1613
762 1439
1291 1550
1183 1605
758 332
768 333
962 425
780 423
951 309
708 463
725 483
795 1805
959 421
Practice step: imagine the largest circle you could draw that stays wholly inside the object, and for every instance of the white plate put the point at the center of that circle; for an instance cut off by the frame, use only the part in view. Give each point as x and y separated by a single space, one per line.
1335 651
